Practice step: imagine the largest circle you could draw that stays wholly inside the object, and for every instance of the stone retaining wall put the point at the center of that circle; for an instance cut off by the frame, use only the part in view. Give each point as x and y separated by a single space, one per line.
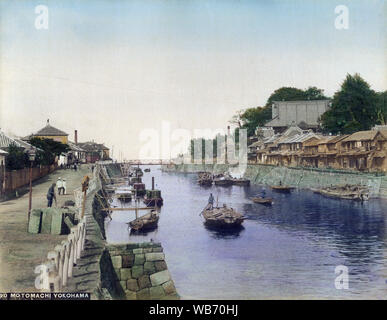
141 271
296 177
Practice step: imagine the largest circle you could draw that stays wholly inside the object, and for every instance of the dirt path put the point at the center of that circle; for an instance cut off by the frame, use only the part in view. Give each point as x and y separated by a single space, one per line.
20 251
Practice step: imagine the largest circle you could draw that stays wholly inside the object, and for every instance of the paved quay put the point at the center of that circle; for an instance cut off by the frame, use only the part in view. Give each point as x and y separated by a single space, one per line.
21 252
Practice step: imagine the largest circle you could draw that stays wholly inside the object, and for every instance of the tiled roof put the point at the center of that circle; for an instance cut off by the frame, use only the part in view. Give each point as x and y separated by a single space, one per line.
362 136
6 141
49 130
75 147
92 146
337 139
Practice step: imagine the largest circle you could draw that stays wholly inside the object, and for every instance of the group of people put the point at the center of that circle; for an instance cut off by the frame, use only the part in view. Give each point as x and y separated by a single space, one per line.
61 186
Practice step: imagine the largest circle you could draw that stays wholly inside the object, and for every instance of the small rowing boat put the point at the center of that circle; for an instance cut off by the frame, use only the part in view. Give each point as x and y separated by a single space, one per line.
283 189
264 201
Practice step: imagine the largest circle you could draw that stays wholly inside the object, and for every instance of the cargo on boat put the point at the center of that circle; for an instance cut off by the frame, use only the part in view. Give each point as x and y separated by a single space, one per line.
224 181
135 172
124 197
134 180
205 178
153 198
139 189
356 193
264 201
146 222
222 217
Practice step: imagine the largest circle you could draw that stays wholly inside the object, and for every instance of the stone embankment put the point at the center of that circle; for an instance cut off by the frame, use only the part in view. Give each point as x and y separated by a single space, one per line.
296 177
126 271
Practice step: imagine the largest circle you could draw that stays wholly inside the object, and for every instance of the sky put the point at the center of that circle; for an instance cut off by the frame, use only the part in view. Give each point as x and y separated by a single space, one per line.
136 74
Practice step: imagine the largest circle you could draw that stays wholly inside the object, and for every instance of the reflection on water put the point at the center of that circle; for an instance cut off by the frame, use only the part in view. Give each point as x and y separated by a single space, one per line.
288 250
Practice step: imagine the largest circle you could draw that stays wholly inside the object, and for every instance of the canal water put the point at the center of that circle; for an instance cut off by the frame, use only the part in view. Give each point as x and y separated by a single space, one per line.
287 251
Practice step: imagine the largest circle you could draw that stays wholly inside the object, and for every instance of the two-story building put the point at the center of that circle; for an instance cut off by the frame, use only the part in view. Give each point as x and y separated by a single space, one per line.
304 114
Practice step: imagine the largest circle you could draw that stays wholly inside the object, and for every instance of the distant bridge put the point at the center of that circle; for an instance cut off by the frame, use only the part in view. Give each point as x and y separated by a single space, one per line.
148 162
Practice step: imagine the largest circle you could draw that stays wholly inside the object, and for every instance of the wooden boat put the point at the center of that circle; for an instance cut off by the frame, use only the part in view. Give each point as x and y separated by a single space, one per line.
240 182
205 178
283 189
224 182
124 197
264 201
134 180
222 217
146 222
346 192
139 189
153 198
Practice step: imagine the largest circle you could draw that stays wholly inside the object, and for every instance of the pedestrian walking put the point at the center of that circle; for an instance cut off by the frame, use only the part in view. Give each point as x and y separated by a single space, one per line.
59 185
51 195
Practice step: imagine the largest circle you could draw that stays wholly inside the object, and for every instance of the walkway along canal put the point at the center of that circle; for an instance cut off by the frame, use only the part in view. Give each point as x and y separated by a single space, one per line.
289 250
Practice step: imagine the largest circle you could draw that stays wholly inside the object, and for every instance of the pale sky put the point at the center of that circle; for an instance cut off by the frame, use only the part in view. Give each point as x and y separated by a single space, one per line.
113 68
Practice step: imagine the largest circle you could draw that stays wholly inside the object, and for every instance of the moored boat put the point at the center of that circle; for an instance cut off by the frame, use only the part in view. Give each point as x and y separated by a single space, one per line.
283 189
134 180
147 170
224 182
139 189
240 182
222 217
264 201
346 192
153 198
205 178
124 197
146 222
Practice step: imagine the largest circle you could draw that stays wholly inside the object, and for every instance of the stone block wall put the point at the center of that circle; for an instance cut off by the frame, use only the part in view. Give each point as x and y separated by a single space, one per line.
141 271
296 177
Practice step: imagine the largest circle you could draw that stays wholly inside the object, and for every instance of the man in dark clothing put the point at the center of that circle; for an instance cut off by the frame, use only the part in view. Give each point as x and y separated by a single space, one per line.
211 201
51 195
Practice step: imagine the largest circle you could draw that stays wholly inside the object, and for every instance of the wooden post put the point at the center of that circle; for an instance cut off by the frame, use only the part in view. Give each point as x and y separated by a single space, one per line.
30 197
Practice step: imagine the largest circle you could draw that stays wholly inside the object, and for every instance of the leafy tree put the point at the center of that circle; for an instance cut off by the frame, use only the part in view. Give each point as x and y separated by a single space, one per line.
354 107
49 150
381 108
16 158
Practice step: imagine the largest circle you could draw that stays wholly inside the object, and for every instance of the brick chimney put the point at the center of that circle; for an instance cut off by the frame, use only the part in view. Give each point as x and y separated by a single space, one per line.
76 136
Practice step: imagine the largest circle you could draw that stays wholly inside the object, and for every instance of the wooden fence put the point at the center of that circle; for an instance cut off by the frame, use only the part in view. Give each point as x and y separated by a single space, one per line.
11 180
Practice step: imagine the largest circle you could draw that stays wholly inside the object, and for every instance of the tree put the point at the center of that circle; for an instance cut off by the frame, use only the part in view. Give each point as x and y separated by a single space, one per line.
49 149
354 107
381 108
16 158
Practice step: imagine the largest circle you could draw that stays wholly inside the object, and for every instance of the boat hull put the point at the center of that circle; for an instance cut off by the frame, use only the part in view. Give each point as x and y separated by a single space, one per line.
222 224
223 183
263 201
243 183
281 189
154 202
